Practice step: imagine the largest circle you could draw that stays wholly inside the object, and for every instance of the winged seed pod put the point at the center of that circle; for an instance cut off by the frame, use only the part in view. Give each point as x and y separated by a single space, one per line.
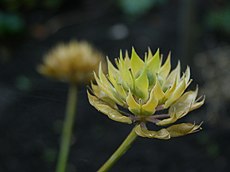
73 62
150 91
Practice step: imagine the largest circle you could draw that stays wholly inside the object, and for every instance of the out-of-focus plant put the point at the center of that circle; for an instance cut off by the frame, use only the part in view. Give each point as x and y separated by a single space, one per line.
10 24
218 20
140 92
135 8
214 68
73 63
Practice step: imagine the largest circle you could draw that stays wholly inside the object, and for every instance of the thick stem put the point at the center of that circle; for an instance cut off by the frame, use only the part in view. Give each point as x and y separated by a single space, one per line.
67 129
119 152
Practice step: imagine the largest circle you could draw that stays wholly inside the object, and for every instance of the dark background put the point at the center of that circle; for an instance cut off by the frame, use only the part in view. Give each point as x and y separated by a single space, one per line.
32 107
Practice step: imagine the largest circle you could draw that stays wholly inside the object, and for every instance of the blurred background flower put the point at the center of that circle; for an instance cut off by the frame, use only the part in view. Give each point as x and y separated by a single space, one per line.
31 106
74 62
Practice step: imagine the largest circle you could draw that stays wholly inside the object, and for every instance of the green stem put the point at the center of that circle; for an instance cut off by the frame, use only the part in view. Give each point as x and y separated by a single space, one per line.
67 129
119 152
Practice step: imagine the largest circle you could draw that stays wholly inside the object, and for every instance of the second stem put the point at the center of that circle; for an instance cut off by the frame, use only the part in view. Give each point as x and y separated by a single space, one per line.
67 129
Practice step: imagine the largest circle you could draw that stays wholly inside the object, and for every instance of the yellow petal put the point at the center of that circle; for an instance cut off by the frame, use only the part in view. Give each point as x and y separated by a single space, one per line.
143 132
182 106
136 63
154 62
127 60
169 92
106 83
150 55
187 75
112 72
107 110
127 79
183 129
119 61
158 91
165 69
120 90
167 121
156 95
177 93
133 106
125 74
121 55
113 75
103 78
151 104
173 76
108 86
142 86
102 96
107 91
198 104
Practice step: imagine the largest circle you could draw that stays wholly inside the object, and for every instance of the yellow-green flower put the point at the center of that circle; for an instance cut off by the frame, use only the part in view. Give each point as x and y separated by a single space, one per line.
72 62
150 92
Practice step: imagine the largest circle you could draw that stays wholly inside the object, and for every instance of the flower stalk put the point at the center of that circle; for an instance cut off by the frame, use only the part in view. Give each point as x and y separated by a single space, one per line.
126 144
67 129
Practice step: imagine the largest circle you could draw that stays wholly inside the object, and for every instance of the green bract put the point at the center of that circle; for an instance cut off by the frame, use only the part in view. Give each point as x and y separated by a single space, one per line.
149 90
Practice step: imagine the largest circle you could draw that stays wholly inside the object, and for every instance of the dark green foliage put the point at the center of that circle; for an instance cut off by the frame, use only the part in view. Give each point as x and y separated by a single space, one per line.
10 24
219 20
135 8
15 5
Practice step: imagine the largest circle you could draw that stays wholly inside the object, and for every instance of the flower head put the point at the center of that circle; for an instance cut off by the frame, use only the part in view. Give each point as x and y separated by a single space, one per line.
150 91
72 62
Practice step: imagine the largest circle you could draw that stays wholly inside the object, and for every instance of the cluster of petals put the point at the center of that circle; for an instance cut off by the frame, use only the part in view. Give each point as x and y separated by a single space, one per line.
71 62
145 91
